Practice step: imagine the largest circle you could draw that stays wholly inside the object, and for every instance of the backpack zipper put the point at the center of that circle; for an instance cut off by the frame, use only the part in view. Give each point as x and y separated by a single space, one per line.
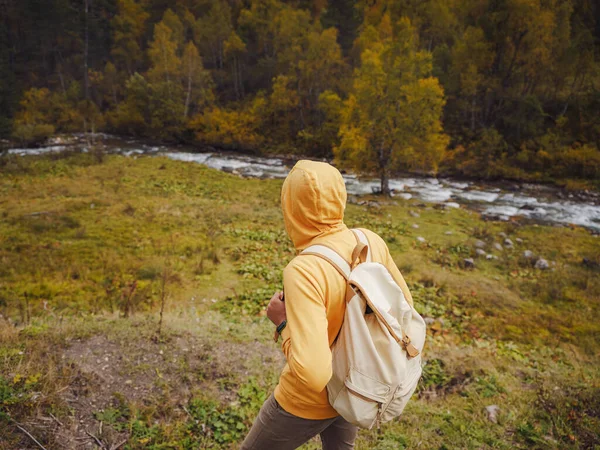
377 421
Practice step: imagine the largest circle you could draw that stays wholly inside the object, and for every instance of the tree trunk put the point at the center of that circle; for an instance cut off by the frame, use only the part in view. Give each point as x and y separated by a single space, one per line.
86 80
62 81
189 94
383 170
384 177
385 182
235 78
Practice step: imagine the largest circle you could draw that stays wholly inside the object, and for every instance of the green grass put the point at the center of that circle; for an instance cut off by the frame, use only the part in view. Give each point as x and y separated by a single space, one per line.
89 248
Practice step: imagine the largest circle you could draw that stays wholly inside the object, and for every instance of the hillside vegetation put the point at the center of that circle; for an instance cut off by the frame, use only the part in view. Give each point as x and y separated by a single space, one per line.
132 294
479 88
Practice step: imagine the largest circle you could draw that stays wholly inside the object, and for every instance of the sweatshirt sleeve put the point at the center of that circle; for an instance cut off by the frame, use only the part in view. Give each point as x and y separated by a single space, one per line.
305 340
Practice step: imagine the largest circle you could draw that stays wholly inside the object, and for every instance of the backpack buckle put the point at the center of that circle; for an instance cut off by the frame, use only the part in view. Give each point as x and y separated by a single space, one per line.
410 349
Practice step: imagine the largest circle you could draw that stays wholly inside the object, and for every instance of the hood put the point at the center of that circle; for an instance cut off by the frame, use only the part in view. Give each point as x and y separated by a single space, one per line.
313 200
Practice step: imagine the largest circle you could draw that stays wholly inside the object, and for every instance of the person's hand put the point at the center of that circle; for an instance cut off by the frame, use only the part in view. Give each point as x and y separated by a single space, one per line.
276 309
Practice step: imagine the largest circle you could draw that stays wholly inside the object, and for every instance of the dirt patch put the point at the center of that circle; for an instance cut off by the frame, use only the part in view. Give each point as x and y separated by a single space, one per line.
141 369
110 373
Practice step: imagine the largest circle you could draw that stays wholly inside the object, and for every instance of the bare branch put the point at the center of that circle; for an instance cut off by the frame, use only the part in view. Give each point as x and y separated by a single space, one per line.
30 436
98 441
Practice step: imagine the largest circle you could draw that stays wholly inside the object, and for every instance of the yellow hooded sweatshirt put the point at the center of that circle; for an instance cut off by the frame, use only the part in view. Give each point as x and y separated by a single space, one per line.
313 199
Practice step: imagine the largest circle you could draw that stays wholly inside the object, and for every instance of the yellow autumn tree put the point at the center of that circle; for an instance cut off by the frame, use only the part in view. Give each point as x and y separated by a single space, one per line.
165 76
233 129
392 118
33 122
196 80
165 62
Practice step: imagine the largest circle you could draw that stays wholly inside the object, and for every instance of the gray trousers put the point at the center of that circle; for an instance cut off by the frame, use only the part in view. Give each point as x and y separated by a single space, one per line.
277 429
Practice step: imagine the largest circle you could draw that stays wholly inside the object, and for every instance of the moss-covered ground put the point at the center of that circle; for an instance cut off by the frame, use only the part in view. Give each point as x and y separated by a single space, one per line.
92 248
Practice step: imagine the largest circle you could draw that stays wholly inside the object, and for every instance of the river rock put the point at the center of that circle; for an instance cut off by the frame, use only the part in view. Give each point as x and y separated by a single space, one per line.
508 242
542 264
414 214
528 254
480 252
492 413
519 240
421 239
448 233
469 263
497 246
490 256
502 234
479 244
415 226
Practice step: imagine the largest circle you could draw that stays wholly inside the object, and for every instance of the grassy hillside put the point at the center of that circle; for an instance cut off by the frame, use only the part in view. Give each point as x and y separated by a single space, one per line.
92 247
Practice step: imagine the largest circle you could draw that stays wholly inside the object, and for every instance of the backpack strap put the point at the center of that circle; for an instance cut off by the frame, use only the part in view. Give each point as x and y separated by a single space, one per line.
361 238
362 251
330 256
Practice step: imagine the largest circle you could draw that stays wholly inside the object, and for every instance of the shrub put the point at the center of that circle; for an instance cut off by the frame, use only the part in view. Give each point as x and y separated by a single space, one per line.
32 133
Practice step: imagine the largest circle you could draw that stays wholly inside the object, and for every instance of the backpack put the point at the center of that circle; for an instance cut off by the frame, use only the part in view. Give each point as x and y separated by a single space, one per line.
377 353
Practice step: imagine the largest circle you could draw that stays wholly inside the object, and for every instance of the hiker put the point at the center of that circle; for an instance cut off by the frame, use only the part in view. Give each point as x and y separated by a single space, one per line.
309 315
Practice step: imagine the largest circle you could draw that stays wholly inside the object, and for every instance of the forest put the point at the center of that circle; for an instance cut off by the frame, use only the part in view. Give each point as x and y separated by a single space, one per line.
479 88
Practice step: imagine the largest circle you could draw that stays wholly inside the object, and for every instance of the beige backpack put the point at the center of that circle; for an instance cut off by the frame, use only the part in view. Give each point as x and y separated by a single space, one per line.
377 353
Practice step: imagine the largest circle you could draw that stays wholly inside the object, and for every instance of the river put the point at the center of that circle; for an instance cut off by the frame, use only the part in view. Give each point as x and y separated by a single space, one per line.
496 201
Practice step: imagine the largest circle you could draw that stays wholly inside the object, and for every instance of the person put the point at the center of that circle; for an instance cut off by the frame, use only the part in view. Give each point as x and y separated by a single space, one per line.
313 200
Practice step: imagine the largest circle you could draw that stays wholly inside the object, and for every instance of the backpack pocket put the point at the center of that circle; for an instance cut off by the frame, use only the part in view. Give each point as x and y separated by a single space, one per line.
361 399
401 396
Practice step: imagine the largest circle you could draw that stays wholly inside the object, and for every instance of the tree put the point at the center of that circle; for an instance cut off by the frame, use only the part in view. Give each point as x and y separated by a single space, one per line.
392 117
128 29
197 81
319 68
235 129
278 114
211 32
258 25
167 110
173 21
471 58
235 49
133 114
165 63
325 137
109 86
33 122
